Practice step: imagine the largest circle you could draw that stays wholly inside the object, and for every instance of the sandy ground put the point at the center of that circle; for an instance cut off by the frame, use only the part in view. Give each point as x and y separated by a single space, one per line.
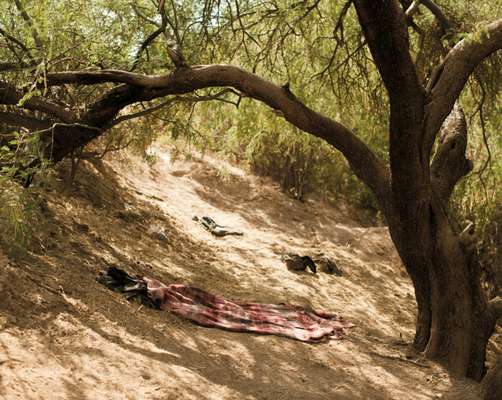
64 336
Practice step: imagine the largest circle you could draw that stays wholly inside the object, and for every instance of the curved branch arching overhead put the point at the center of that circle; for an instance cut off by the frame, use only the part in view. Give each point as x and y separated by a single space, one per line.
143 87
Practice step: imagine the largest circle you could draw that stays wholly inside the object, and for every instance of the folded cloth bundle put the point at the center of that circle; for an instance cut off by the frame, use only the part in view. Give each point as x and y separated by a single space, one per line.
209 310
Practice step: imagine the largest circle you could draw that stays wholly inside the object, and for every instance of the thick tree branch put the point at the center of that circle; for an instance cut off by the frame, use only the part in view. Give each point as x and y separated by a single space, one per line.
11 96
449 164
173 41
440 16
385 29
143 87
160 29
145 44
412 8
15 66
26 121
451 78
62 139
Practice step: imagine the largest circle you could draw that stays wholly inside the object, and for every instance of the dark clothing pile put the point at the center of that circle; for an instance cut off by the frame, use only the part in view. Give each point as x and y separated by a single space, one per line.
295 262
216 229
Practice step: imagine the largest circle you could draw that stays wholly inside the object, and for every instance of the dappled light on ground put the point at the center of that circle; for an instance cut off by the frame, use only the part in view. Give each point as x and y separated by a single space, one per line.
64 336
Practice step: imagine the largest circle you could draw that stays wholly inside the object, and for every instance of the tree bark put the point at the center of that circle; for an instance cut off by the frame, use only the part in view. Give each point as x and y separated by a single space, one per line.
492 384
453 319
462 323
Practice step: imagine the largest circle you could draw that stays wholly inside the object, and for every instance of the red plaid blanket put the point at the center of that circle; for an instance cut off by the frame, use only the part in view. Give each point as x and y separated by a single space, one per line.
275 319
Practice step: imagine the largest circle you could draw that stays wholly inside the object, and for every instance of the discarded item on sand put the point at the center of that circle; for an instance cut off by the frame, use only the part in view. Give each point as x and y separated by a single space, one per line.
83 228
160 234
208 310
294 262
216 229
328 265
120 281
129 216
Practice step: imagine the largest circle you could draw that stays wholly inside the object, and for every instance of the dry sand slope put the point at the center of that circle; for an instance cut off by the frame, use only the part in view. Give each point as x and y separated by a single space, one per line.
63 336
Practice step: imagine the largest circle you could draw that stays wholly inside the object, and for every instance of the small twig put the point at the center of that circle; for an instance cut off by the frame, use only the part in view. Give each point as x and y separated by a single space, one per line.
18 43
150 38
29 21
43 285
189 99
413 8
400 358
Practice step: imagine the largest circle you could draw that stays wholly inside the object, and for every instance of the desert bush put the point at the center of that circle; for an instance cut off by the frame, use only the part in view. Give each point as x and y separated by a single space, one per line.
16 214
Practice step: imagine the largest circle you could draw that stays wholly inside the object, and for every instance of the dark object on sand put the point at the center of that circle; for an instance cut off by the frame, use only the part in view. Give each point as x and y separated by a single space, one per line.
160 235
120 281
83 228
206 309
294 262
129 216
216 229
328 265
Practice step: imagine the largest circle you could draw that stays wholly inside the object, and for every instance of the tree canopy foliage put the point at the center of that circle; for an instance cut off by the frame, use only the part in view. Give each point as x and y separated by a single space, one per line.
317 47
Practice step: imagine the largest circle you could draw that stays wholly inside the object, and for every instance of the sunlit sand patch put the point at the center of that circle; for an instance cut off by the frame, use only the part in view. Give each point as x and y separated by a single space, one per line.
75 339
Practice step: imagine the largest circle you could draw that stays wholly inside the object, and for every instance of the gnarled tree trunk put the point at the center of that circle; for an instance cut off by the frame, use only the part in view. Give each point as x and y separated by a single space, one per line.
492 384
454 322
